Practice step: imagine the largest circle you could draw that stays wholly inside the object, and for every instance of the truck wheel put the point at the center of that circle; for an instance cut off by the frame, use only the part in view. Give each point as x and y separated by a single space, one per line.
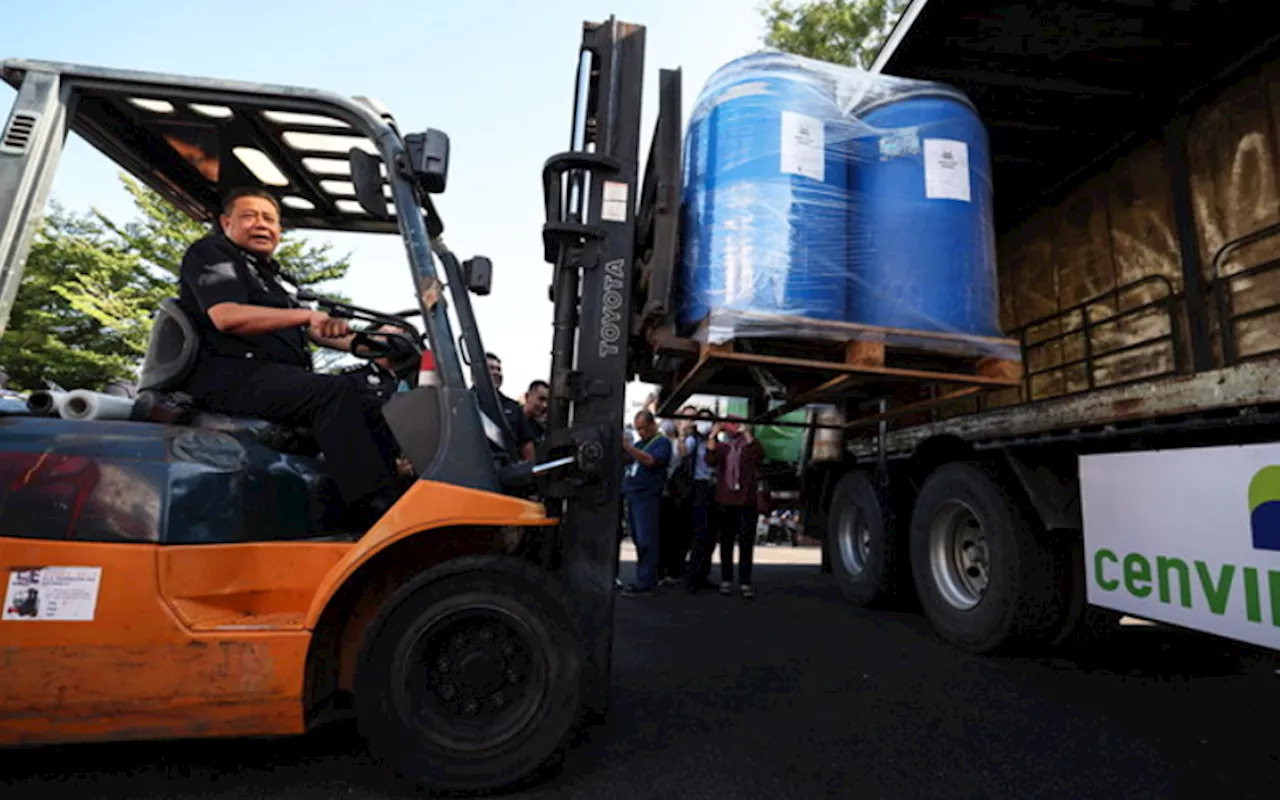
862 552
470 677
984 574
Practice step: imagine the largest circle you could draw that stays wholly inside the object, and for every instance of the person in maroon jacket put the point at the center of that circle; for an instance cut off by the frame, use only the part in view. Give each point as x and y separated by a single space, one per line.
737 462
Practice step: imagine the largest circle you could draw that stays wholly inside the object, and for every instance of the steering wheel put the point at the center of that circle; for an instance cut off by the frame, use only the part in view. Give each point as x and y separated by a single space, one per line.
384 344
368 346
401 351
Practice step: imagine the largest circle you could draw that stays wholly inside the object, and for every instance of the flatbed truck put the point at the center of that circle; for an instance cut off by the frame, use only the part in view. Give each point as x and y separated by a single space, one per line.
1131 468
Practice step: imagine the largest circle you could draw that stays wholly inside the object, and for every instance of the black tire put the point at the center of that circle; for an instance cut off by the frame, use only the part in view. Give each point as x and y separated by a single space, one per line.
470 678
1023 600
863 552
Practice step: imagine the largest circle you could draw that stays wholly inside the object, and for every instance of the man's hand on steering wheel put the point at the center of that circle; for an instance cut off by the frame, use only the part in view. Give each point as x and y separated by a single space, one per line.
385 341
327 327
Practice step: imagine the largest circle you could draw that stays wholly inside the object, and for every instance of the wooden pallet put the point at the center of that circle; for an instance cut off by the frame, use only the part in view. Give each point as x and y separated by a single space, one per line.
834 360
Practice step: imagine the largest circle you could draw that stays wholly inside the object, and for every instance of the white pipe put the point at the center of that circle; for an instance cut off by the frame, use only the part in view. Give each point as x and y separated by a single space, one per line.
84 405
46 402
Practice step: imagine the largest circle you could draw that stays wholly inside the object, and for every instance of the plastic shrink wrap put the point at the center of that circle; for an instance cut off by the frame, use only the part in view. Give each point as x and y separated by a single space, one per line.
827 202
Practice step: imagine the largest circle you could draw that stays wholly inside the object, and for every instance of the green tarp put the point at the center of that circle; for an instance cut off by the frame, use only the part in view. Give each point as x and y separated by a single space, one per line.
780 443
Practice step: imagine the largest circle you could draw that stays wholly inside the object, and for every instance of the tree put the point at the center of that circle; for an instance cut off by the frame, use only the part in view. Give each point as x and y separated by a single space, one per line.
83 313
849 32
47 339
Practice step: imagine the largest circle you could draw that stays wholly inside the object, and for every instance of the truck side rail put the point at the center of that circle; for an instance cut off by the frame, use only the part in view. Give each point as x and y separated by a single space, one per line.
1221 287
1169 300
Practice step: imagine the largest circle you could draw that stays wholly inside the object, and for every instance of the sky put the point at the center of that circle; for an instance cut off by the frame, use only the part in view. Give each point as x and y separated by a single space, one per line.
496 75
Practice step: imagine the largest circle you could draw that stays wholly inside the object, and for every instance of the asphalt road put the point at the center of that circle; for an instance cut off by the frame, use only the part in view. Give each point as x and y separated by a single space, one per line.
797 695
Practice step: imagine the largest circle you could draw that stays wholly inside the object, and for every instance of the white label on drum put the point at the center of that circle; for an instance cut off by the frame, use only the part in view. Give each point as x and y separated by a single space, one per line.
946 170
803 146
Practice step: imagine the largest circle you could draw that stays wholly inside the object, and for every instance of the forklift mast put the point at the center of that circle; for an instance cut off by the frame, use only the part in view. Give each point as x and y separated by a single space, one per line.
589 237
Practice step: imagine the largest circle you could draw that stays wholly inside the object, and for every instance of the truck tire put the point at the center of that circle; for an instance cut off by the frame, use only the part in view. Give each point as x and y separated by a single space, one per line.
470 676
985 574
863 553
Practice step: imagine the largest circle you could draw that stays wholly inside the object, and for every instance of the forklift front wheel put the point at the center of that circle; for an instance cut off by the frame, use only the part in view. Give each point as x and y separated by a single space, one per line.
470 678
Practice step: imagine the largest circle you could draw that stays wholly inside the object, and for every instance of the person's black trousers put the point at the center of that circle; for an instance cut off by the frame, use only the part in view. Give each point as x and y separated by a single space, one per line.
673 537
359 449
737 523
703 530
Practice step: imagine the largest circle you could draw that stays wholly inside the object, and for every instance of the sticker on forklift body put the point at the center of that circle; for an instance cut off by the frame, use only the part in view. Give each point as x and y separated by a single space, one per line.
614 207
52 594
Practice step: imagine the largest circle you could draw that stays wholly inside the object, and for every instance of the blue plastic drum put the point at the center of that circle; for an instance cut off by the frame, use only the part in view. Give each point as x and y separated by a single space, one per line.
766 199
922 250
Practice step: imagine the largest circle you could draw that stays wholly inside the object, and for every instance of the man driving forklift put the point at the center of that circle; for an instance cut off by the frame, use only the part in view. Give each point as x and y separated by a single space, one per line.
254 360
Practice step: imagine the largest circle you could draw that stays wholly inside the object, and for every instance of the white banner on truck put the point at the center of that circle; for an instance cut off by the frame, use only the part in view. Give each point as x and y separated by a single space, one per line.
1189 537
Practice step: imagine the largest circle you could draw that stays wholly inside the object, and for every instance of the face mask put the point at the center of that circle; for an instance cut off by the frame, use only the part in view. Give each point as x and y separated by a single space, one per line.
703 428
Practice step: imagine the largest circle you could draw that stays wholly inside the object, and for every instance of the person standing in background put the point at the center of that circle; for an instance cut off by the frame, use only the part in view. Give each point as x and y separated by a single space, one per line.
701 501
670 558
535 409
513 411
642 487
677 526
737 462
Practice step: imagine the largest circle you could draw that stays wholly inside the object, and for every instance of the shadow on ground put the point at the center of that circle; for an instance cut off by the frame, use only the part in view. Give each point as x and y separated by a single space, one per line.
797 695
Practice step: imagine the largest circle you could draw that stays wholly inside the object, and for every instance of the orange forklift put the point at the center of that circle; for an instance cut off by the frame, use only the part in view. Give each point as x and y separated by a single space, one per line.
180 574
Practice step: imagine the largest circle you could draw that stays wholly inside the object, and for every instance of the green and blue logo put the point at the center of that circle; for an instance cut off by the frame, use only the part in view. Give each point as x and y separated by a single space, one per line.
1264 508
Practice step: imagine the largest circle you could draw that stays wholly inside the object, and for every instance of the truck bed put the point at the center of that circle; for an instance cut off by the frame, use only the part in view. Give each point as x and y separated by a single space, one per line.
1220 392
1138 239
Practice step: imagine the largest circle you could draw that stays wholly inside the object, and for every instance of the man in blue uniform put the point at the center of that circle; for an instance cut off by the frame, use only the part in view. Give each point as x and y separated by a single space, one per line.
642 487
254 359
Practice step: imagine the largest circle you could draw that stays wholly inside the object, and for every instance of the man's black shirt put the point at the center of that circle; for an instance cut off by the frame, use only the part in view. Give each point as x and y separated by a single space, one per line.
538 430
214 270
516 418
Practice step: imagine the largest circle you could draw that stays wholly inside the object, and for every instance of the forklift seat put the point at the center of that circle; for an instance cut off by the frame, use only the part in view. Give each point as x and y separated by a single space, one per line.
172 350
172 353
